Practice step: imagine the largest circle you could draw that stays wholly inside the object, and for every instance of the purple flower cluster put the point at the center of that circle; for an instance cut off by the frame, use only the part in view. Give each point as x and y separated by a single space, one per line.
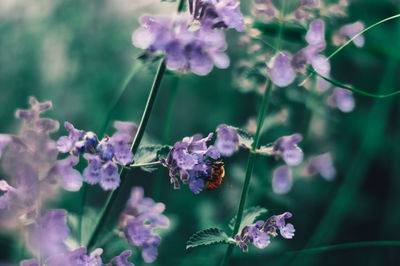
102 156
191 42
259 233
192 158
140 217
47 239
26 161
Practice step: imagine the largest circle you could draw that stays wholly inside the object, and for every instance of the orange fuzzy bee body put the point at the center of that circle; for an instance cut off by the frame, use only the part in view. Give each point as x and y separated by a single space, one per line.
217 173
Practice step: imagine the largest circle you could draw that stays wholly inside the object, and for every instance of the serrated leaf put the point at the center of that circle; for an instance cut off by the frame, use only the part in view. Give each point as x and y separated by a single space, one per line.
249 217
149 154
207 237
245 138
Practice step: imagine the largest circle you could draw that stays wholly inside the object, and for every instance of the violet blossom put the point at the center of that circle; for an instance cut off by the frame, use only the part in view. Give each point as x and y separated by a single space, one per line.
102 156
138 221
342 99
282 180
259 234
321 164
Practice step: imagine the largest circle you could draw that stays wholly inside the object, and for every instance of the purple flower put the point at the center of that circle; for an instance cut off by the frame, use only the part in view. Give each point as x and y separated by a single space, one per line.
122 259
264 9
347 32
138 220
286 147
110 177
185 48
7 193
66 143
71 178
227 140
31 116
259 233
315 35
92 173
282 180
4 141
342 99
49 233
321 164
277 222
218 13
191 160
281 72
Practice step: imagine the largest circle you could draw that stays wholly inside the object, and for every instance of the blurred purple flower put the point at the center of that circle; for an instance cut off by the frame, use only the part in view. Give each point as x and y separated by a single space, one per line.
4 141
122 259
282 180
286 147
321 164
264 9
342 99
138 220
347 32
48 235
227 140
185 48
71 178
281 71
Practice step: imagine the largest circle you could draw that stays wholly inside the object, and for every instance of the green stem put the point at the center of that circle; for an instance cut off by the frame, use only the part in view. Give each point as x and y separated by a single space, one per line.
135 68
144 164
142 126
166 134
348 246
249 171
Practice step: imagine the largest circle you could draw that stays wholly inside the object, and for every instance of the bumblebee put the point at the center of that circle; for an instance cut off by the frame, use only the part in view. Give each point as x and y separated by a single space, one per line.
216 175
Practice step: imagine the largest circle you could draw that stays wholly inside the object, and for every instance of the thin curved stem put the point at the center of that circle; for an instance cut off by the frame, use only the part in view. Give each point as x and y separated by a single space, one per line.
348 246
142 126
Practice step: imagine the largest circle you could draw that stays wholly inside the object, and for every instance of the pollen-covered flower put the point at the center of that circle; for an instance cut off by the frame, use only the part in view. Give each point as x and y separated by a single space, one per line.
138 220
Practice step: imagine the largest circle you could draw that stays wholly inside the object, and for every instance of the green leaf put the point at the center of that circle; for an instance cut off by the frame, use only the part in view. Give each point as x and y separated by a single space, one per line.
207 237
249 217
149 154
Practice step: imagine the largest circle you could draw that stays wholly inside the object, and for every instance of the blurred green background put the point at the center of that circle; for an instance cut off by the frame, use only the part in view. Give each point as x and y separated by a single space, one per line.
77 54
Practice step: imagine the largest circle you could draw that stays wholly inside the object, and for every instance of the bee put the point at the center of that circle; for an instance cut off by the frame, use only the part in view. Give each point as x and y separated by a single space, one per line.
216 175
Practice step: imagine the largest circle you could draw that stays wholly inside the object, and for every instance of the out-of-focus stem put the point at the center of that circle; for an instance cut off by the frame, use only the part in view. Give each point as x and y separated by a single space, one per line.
142 126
